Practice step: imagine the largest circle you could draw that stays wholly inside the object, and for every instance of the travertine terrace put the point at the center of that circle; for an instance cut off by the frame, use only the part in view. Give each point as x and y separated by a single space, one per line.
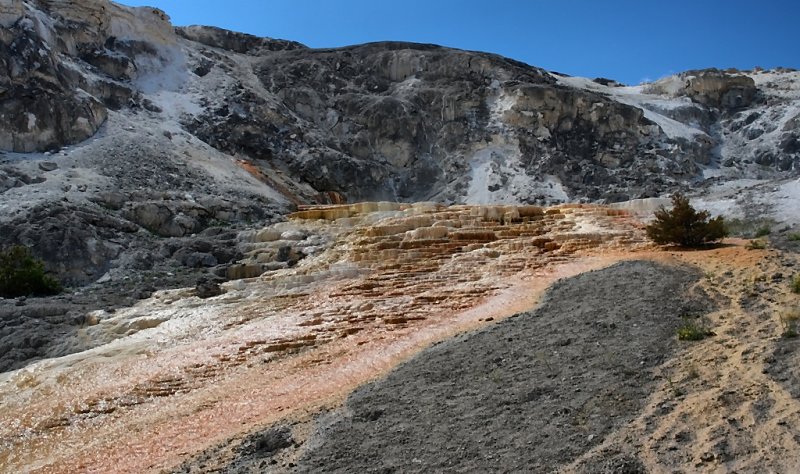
380 282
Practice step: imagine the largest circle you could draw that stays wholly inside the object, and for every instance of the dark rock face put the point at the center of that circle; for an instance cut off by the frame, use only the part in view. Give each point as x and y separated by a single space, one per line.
77 244
37 329
382 121
404 122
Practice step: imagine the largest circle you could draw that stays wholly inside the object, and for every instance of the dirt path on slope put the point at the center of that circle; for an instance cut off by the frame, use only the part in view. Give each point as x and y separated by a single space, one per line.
730 403
529 394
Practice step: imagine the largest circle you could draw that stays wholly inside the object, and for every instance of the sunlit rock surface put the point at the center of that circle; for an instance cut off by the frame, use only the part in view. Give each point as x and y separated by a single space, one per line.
378 281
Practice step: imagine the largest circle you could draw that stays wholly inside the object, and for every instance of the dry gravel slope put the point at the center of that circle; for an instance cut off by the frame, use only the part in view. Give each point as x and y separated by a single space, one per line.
531 393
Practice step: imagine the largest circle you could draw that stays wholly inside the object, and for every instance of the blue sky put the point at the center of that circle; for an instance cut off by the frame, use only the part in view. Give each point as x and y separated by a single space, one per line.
626 40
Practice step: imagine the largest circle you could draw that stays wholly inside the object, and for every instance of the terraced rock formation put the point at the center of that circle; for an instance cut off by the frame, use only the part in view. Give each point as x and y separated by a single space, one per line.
594 380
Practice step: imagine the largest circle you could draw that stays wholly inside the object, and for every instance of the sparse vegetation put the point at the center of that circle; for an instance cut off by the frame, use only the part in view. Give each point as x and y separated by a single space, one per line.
789 320
23 275
542 356
692 373
685 226
756 244
693 329
794 237
676 391
749 228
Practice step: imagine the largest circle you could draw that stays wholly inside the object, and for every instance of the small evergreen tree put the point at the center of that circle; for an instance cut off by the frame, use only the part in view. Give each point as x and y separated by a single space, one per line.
685 226
23 275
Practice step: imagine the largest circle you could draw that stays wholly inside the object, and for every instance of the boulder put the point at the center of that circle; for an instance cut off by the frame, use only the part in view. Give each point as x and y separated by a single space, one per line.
208 288
167 219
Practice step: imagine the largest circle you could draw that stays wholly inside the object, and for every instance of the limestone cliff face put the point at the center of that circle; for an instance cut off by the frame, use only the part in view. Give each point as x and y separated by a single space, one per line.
404 121
711 87
386 121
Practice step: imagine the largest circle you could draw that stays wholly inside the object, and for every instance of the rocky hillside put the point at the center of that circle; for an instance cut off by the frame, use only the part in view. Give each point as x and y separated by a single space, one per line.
123 134
214 320
411 122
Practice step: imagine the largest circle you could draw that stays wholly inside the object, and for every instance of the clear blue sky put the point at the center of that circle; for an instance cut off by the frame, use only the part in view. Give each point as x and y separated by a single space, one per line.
626 40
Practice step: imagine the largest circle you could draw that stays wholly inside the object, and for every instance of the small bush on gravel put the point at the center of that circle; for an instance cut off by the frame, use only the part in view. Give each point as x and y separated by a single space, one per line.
796 283
756 244
23 275
794 237
789 320
693 330
685 226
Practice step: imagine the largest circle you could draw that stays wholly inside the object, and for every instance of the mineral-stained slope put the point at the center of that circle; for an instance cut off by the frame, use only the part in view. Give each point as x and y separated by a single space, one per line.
593 381
180 374
530 394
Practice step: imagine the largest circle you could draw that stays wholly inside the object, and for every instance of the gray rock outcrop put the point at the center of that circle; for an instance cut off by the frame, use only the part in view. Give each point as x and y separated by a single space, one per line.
45 101
233 41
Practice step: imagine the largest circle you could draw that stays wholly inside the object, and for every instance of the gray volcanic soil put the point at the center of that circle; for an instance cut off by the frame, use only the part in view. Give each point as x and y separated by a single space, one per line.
531 393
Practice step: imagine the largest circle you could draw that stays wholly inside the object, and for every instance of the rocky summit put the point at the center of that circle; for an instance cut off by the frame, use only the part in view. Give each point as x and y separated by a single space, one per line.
249 229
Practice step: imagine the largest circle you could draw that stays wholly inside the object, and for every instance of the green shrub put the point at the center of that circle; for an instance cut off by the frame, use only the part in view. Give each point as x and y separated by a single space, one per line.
796 283
685 226
794 237
757 244
693 330
23 275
